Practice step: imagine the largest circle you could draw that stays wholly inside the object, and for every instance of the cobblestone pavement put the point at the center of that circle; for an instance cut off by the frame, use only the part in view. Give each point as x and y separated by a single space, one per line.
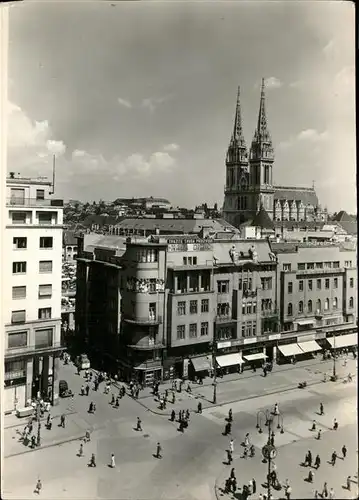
191 461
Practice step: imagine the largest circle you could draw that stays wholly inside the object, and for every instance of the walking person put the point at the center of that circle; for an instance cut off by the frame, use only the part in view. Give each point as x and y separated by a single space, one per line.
199 407
344 451
231 445
254 486
325 490
87 389
92 461
310 476
48 420
319 435
62 421
112 402
87 436
331 493
321 409
173 416
334 458
276 409
288 492
229 457
335 424
349 480
230 415
113 463
317 462
158 451
246 440
38 487
309 458
138 427
81 450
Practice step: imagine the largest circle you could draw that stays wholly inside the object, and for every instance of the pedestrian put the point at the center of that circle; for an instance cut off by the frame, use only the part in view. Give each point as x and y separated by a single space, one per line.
321 409
310 476
276 409
230 415
334 458
335 424
137 393
250 487
325 490
187 414
158 451
138 428
112 402
189 388
228 428
90 410
92 461
229 457
87 436
48 420
316 494
349 479
173 398
310 458
260 496
245 452
234 484
62 421
117 404
82 390
38 487
344 451
87 389
331 493
319 434
231 445
113 464
49 425
288 492
173 416
317 462
81 450
246 440
233 473
94 407
254 486
314 426
199 407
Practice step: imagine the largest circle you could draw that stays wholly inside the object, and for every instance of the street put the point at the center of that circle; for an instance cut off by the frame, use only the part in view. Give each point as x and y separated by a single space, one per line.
192 465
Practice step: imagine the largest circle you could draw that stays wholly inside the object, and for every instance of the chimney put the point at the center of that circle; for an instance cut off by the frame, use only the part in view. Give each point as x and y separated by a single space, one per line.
12 175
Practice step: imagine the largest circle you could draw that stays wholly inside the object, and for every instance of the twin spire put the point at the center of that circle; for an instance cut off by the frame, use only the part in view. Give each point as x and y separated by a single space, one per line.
262 143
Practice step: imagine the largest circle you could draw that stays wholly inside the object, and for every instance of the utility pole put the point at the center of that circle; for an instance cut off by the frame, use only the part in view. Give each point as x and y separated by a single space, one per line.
334 377
214 363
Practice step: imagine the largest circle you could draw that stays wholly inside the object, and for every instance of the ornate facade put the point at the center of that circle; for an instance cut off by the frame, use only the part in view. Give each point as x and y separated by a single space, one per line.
249 179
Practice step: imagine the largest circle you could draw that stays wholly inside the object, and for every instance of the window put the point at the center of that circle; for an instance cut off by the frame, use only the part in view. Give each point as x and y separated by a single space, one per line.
301 307
194 261
290 287
193 307
45 266
327 283
290 309
254 308
19 243
328 265
152 285
152 310
310 306
266 283
18 218
18 316
185 261
223 309
319 265
336 264
351 302
249 307
310 284
204 305
247 284
326 305
351 283
301 285
181 332
45 218
19 292
239 284
181 308
44 313
45 291
287 267
319 305
204 329
310 265
335 282
19 267
301 266
40 194
335 303
147 255
225 333
43 338
46 241
319 284
244 308
266 175
243 330
223 286
18 339
193 330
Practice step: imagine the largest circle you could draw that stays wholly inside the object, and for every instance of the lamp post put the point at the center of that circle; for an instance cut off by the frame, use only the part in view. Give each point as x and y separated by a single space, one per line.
334 376
214 363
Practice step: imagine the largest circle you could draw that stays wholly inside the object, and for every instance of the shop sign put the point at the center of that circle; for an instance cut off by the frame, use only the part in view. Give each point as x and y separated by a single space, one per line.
185 367
250 341
15 374
224 345
275 336
306 338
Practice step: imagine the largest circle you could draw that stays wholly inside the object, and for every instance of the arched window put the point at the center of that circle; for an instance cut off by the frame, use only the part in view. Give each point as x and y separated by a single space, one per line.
301 307
335 303
326 305
351 302
290 309
319 305
310 306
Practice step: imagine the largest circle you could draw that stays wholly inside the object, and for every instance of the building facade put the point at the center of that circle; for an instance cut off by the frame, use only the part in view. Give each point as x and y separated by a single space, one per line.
250 179
32 281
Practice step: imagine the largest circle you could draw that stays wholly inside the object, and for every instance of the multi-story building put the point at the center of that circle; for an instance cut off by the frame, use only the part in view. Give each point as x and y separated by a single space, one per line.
250 179
32 285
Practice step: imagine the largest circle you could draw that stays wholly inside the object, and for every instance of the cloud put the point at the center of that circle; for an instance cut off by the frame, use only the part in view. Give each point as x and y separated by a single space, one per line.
151 103
273 83
139 166
171 147
297 84
309 135
124 103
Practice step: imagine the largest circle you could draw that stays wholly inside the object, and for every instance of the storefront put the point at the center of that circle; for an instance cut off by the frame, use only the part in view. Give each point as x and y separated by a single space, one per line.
288 352
229 363
343 341
305 347
200 367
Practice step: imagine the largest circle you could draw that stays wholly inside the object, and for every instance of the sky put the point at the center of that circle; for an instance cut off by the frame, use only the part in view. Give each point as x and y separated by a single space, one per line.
138 98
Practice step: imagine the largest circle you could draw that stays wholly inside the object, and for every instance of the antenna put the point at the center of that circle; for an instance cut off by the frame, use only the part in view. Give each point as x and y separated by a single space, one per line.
53 174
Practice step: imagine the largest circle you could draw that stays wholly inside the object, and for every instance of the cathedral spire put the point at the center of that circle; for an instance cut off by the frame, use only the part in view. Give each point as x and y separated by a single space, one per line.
237 151
262 142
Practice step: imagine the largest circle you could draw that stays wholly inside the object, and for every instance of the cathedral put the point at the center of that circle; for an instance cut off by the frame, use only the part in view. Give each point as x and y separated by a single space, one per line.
249 188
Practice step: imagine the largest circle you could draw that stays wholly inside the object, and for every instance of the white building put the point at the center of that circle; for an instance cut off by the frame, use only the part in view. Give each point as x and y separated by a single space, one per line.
32 290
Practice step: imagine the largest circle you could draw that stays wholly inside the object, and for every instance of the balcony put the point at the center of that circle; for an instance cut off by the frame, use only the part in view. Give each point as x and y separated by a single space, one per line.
149 320
225 319
250 293
320 272
146 347
33 202
31 350
269 313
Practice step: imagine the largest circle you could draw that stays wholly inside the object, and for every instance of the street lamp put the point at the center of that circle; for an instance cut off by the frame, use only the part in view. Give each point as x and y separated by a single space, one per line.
334 376
214 363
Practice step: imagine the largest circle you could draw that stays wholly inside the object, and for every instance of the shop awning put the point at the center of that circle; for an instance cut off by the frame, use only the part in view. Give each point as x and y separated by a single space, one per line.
303 322
253 357
290 349
229 359
309 346
343 340
201 363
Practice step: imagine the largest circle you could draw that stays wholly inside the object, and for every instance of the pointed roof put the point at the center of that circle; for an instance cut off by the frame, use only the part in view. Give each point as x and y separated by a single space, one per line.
262 219
343 216
237 138
262 141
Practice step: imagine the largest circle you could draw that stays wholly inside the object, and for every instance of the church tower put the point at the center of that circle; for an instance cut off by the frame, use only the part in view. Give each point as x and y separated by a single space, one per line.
261 160
237 173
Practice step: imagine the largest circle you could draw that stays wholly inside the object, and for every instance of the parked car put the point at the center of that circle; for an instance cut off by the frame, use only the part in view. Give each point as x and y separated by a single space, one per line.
64 390
83 362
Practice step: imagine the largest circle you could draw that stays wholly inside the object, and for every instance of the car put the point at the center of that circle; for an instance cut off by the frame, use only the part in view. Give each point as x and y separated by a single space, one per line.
83 362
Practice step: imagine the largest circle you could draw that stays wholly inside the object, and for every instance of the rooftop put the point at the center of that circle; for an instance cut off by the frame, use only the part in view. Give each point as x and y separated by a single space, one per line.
307 195
175 226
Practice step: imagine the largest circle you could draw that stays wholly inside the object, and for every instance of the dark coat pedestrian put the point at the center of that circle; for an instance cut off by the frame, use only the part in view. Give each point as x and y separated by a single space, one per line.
158 451
317 462
233 472
344 451
334 457
173 416
254 486
117 404
87 389
234 484
230 415
321 409
199 407
139 428
92 461
112 399
62 420
91 407
229 456
309 458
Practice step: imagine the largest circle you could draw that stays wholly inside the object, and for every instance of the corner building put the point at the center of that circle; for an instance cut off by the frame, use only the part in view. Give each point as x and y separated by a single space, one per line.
32 291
